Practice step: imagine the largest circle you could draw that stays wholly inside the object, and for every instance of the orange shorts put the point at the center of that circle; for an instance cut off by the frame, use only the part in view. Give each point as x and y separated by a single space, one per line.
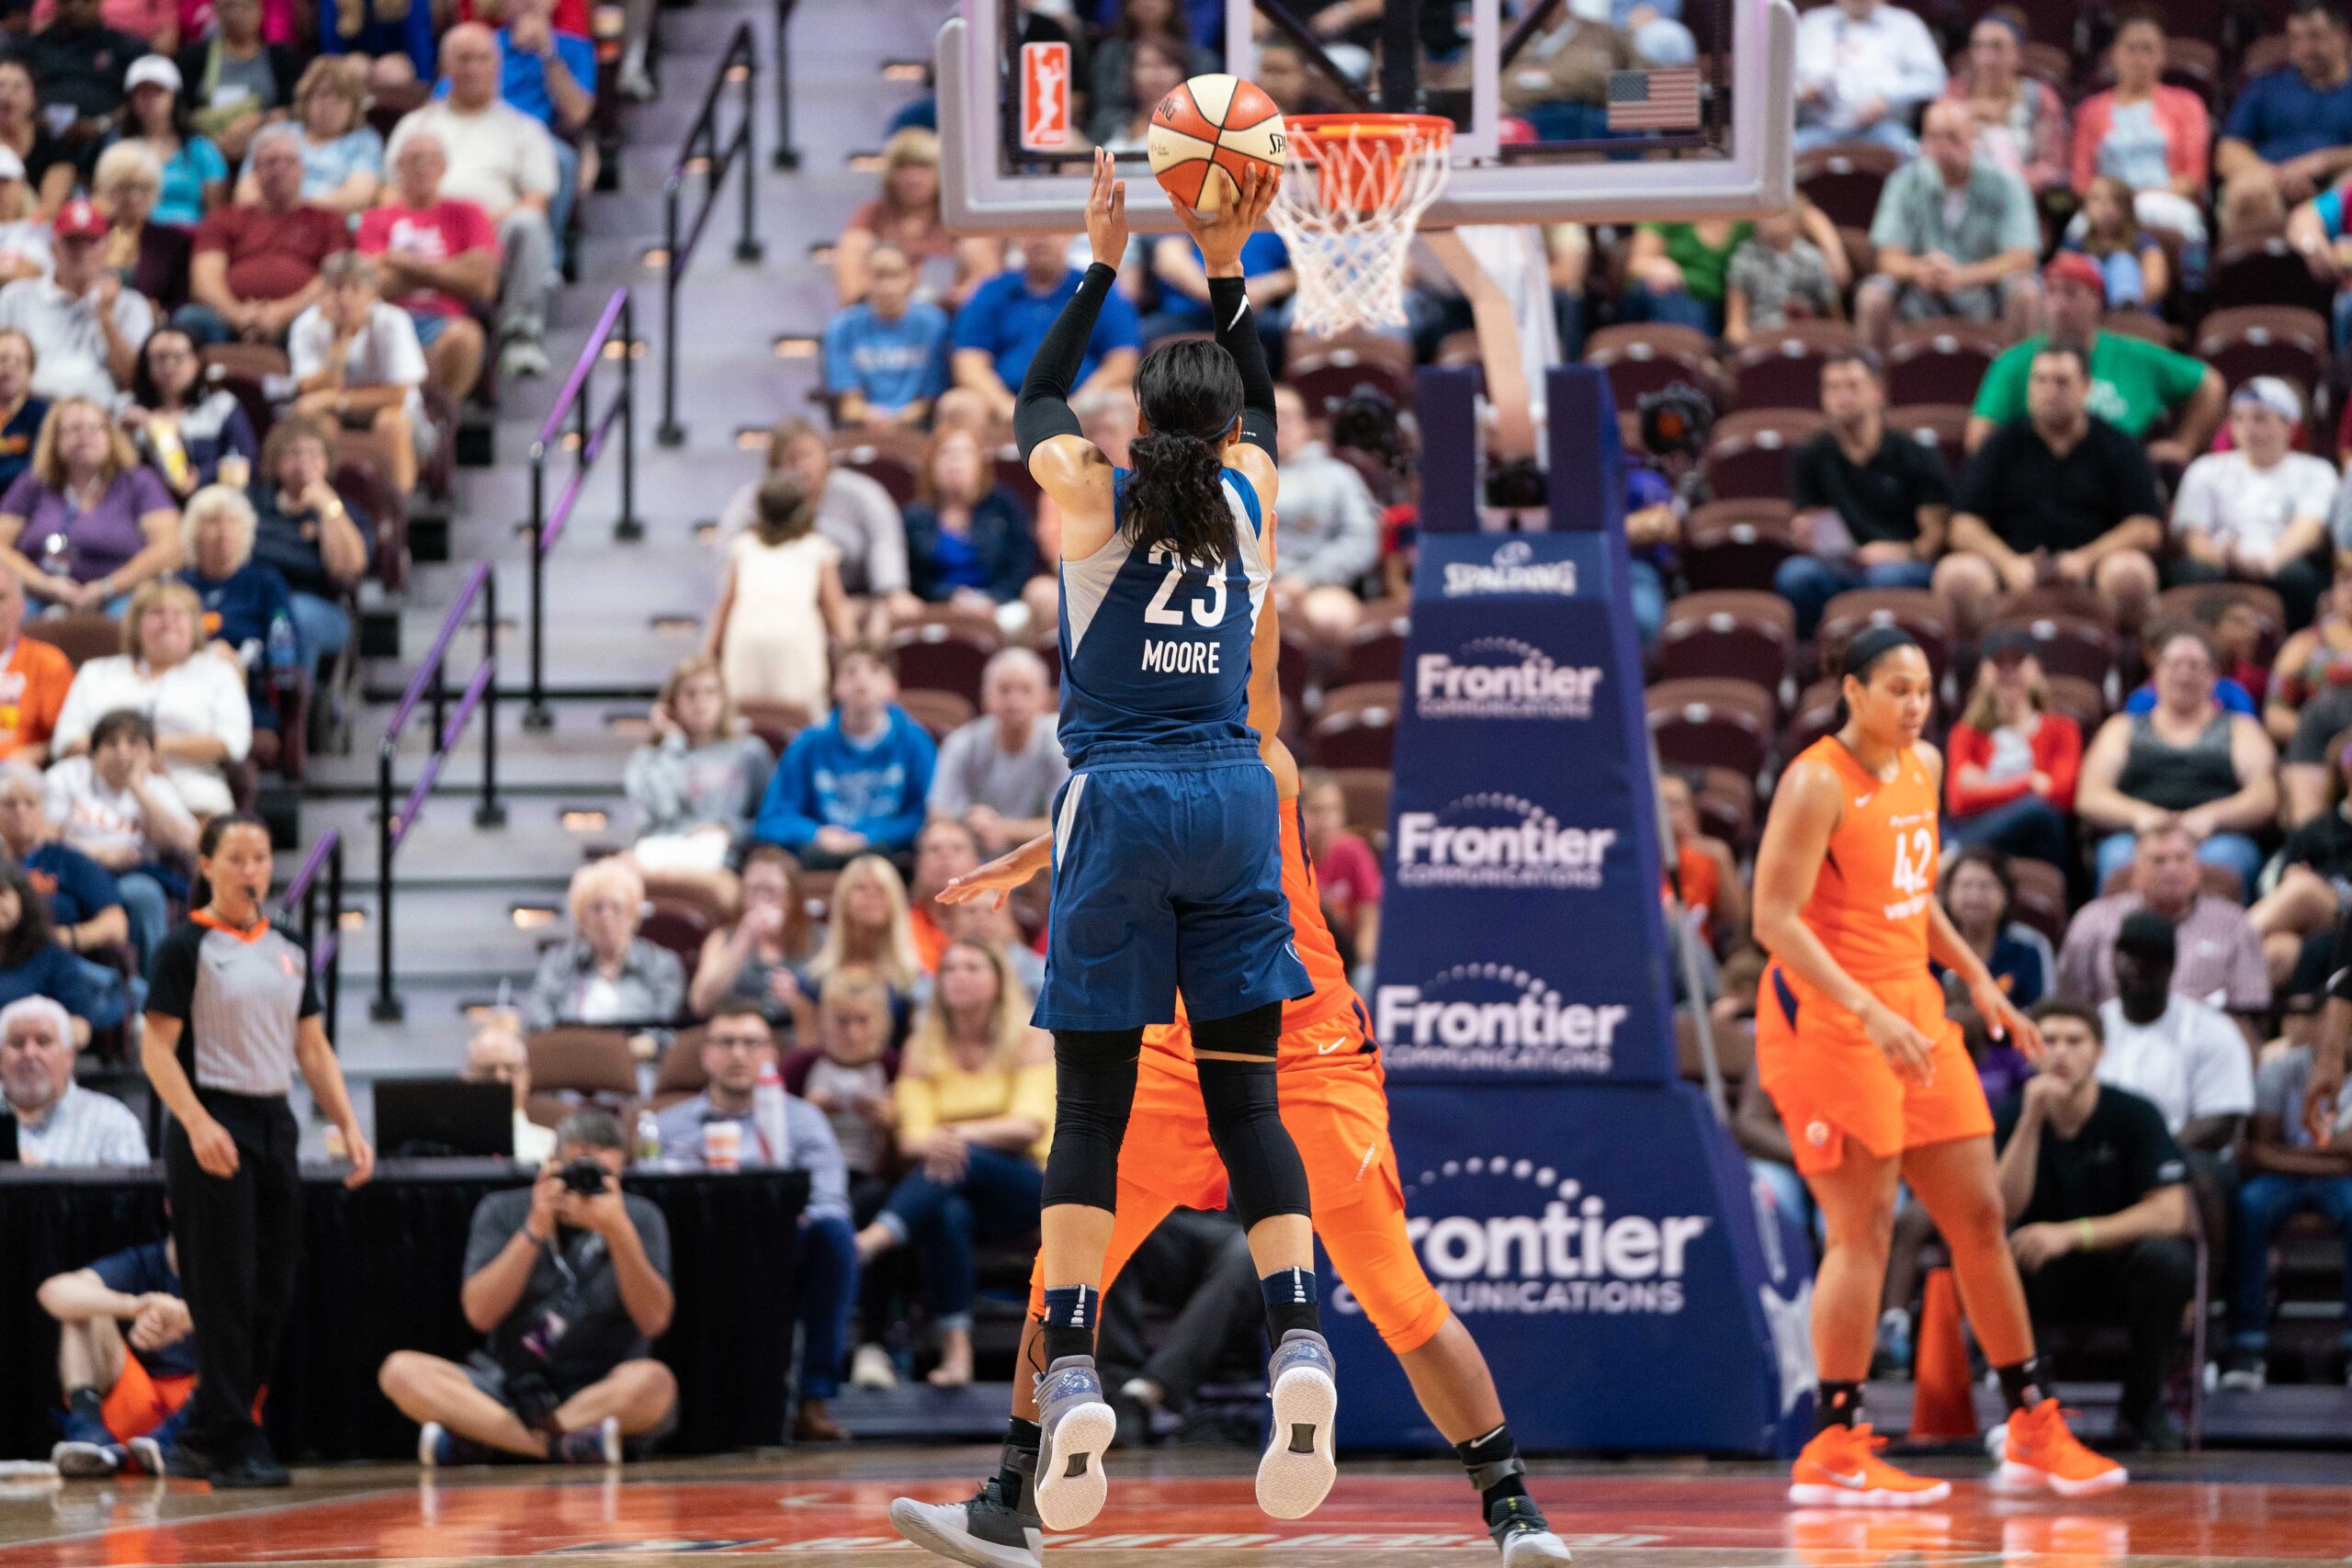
138 1404
1337 1113
1830 1083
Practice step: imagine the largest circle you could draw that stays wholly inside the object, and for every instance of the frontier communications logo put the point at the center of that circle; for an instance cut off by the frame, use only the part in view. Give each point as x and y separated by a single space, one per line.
1513 571
1501 677
1496 839
1503 1235
1495 1017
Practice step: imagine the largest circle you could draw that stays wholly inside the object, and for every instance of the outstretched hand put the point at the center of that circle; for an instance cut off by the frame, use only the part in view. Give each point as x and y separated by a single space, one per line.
1222 233
1106 210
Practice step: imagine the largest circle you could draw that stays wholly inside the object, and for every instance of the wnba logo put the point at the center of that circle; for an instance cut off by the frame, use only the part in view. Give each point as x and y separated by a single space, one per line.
1497 1017
1527 849
1516 1237
1499 677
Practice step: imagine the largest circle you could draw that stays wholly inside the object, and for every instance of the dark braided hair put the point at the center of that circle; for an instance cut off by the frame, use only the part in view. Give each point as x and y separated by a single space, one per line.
1190 394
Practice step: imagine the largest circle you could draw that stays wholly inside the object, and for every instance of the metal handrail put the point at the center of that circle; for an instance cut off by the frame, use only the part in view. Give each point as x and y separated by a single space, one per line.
616 327
739 63
430 685
787 156
304 895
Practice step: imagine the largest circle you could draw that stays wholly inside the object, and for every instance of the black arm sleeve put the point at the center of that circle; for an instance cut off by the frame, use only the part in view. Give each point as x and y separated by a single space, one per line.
1043 410
1236 334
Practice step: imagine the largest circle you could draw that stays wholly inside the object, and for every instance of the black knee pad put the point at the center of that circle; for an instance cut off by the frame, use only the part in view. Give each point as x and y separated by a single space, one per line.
1262 1164
1094 1088
1258 1032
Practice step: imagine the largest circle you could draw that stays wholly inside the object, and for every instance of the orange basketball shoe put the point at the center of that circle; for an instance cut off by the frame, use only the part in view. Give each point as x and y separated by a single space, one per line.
2040 1451
1840 1469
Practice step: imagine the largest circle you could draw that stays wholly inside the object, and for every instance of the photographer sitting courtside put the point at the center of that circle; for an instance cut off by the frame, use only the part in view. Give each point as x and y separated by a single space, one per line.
568 1281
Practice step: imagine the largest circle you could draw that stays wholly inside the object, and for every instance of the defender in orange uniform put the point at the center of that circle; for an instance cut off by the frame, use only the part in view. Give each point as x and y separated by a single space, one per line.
1872 1081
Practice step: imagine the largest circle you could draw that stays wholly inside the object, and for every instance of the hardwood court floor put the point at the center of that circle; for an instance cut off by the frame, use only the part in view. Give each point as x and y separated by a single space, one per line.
1182 1510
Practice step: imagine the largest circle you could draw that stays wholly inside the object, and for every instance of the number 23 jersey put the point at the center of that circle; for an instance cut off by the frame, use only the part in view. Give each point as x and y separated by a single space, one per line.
1869 904
1155 651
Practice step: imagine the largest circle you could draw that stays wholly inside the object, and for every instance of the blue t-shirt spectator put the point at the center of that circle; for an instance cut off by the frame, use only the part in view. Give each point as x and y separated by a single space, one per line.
1260 254
195 165
413 35
147 1270
2281 116
523 77
1007 322
51 972
77 887
17 438
825 779
996 553
890 364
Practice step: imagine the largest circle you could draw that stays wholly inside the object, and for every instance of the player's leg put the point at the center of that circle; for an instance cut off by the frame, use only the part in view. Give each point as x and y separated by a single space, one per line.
999 1526
1373 1256
1958 1183
1855 1191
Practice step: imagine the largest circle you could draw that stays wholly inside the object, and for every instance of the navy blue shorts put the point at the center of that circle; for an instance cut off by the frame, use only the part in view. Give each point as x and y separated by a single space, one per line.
1167 880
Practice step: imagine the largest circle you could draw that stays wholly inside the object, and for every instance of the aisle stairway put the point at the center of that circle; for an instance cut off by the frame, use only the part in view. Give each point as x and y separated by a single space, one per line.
456 937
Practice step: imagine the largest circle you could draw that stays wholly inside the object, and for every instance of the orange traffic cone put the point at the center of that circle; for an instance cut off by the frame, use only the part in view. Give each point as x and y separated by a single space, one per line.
1942 1408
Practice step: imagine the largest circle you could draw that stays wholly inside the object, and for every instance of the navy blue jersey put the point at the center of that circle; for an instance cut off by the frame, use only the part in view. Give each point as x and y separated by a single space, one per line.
1155 651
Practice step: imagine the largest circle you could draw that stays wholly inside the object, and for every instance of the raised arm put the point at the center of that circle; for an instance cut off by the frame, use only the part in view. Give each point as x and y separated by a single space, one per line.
1054 448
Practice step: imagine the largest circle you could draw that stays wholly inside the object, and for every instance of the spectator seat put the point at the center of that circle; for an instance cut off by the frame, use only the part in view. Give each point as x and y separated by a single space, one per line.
578 1060
1725 801
1356 727
939 656
1814 716
1326 371
1940 361
1737 542
940 713
1730 634
80 635
774 722
1748 455
2041 898
1844 180
2285 341
2069 645
1943 426
1701 723
1649 356
1377 648
890 457
2079 700
680 1076
2050 599
678 924
2268 271
2142 325
1782 368
1915 610
1366 791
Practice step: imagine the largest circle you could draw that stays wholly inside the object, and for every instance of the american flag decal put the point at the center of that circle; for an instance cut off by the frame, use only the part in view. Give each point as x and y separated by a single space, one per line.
1654 100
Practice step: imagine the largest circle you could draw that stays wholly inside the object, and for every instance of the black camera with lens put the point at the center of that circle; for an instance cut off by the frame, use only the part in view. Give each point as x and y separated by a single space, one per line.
586 1177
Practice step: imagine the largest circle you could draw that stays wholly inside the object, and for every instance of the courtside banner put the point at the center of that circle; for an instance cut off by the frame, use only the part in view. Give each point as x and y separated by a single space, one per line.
1602 1246
1522 936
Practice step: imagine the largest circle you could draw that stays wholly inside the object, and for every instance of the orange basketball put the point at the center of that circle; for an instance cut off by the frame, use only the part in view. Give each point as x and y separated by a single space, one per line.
1206 133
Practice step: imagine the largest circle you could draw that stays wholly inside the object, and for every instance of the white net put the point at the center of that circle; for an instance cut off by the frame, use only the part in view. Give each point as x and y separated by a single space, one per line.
1352 192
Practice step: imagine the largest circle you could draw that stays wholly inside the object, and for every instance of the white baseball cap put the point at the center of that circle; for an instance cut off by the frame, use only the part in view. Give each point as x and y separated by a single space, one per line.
152 71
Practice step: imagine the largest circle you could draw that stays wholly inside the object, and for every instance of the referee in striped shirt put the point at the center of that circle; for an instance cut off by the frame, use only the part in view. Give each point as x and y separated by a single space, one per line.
230 1015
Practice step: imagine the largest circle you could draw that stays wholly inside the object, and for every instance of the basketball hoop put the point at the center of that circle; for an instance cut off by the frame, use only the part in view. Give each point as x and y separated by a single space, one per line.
1352 191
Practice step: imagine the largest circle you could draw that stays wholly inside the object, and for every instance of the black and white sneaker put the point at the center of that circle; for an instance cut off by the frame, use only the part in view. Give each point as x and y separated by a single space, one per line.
1522 1535
981 1531
85 1462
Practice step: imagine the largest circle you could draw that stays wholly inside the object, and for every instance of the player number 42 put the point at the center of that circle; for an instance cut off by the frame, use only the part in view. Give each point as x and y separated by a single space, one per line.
1205 611
1914 860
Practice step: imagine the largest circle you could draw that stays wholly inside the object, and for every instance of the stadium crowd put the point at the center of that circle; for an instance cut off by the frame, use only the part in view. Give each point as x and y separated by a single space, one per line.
2044 365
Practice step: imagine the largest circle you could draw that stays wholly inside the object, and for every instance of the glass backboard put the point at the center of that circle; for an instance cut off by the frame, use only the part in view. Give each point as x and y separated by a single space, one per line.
1595 110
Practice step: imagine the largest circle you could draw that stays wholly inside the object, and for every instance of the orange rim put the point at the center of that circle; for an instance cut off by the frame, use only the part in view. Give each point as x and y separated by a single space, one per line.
1404 131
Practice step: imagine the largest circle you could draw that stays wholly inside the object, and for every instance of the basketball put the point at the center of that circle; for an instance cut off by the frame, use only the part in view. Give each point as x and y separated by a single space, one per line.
1206 133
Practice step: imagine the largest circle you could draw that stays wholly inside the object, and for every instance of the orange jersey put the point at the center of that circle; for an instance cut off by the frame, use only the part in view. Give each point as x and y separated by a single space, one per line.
1316 1025
1869 904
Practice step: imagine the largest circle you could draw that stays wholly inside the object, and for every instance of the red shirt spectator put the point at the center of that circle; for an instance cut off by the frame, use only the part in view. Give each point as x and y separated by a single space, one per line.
449 228
271 256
